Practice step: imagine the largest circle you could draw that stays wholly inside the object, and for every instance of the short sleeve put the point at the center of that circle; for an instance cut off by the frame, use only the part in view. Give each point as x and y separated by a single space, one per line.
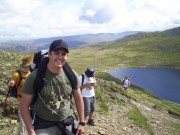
80 79
28 87
15 77
78 84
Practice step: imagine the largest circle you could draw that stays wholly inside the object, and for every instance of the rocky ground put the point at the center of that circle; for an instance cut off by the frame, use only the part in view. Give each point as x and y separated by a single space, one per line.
117 122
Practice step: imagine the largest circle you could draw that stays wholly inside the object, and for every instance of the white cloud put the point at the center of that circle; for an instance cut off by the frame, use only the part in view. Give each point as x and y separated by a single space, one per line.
101 11
47 18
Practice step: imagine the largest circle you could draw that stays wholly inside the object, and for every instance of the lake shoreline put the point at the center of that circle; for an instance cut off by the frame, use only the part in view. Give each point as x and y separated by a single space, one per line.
157 80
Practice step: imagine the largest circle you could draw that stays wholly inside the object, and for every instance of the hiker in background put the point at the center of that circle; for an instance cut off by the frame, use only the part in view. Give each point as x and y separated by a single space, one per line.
53 106
24 70
125 82
88 83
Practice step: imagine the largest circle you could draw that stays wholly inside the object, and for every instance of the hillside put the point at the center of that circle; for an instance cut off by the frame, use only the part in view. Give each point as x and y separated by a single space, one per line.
118 112
157 49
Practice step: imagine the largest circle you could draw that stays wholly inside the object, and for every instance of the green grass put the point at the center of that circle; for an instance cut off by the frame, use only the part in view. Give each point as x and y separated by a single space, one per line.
175 125
139 119
149 50
102 100
141 94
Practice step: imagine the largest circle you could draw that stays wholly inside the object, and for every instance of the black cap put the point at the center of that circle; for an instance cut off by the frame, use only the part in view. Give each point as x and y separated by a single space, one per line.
56 44
90 72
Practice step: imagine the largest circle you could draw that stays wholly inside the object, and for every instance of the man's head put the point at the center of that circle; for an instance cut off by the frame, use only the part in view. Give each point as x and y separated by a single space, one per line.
90 72
58 53
57 44
26 61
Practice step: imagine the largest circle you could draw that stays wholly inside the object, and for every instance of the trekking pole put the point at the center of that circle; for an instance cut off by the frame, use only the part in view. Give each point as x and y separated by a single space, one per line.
5 101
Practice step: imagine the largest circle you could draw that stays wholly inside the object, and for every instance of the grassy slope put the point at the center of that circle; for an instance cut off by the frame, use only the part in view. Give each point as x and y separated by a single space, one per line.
9 62
157 49
152 49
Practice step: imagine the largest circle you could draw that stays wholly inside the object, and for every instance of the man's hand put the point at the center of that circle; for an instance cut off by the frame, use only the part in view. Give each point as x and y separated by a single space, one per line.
80 130
87 84
11 83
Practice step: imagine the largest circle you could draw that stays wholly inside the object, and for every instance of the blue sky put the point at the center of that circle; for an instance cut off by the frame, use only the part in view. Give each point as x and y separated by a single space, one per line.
27 19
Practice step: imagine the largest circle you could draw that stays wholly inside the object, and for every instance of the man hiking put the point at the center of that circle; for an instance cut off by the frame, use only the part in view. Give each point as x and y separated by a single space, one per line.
53 106
15 80
125 82
88 84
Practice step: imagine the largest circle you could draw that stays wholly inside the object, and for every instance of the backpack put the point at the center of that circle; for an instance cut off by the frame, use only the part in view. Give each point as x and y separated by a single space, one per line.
82 79
38 56
13 91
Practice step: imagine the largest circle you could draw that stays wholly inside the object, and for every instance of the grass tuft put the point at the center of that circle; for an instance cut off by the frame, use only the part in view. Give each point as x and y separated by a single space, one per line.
140 119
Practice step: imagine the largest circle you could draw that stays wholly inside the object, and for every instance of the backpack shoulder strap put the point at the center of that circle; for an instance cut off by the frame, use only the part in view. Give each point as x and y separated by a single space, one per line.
73 80
82 79
70 74
20 77
38 82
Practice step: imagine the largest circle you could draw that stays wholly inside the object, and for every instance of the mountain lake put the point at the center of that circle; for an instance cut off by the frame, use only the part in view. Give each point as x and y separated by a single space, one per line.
162 82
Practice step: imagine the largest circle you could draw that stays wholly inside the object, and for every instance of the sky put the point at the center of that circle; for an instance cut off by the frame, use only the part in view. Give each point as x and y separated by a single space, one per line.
29 19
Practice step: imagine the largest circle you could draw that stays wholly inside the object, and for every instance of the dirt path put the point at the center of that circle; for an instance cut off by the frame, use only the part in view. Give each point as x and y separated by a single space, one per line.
117 122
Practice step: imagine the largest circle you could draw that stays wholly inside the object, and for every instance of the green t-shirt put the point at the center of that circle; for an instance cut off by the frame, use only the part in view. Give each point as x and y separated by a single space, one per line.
55 92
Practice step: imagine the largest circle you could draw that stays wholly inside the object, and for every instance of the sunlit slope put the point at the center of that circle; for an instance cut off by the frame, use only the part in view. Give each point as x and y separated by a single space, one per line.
144 49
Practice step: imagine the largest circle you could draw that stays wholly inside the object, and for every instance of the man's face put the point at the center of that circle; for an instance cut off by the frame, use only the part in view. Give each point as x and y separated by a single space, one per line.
58 58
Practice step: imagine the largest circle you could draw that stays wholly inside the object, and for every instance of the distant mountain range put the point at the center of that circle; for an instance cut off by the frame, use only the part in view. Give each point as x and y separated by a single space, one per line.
80 40
73 41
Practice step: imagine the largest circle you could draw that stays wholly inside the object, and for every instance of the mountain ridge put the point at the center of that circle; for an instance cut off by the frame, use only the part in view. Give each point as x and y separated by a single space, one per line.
84 39
73 41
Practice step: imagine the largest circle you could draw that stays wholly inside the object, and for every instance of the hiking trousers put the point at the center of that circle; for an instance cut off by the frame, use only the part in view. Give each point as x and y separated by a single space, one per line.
54 130
89 105
48 131
44 127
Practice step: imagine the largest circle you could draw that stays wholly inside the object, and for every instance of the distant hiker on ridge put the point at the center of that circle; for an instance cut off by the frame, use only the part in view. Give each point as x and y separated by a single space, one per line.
125 82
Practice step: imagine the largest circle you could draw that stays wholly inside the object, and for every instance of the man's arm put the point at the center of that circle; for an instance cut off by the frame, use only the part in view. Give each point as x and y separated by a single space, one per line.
79 104
85 85
129 83
12 82
80 109
25 113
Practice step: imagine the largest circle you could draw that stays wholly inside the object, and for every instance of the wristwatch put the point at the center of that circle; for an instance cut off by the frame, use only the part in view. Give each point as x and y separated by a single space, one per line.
82 123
